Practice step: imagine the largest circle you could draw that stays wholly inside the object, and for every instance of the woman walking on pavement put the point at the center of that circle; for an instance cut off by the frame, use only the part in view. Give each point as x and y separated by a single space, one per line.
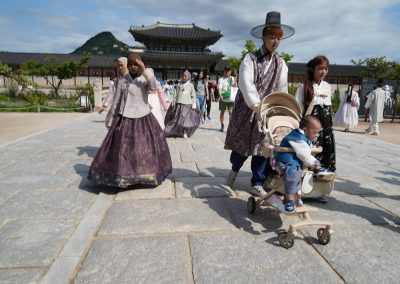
224 84
135 150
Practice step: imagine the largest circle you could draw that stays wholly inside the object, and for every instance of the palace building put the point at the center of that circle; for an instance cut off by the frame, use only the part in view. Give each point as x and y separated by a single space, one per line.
170 49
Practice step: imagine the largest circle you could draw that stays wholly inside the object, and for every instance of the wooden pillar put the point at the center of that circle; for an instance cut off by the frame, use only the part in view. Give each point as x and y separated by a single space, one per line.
102 77
164 76
88 75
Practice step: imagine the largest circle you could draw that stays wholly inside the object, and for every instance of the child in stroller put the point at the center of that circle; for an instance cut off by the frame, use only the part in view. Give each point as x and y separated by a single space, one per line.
279 116
291 163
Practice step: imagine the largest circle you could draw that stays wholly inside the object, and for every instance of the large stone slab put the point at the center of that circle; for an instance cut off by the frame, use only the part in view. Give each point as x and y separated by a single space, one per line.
264 219
46 204
202 187
184 147
206 156
6 194
389 203
21 276
242 186
365 185
28 168
345 209
33 242
221 169
180 170
364 254
166 216
163 191
137 260
32 182
245 258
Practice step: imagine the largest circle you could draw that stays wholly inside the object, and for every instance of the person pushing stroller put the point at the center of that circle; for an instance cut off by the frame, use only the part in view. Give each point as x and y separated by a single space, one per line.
291 163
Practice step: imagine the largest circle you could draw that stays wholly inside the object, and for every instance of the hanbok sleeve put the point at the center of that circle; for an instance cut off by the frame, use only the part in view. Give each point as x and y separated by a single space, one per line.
300 97
246 83
110 97
116 102
283 82
371 97
148 74
161 98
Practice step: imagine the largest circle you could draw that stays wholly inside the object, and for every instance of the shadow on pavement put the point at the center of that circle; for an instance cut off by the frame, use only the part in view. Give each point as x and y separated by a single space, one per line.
90 151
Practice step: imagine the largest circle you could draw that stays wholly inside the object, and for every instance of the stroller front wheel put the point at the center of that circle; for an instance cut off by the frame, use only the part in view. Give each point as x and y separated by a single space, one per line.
285 243
323 236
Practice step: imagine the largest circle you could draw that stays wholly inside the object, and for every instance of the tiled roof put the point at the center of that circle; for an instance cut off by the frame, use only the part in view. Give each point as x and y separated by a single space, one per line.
334 69
181 56
186 32
18 58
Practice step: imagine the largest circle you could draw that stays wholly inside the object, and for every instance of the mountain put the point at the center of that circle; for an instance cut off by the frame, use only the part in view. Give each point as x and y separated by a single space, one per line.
103 43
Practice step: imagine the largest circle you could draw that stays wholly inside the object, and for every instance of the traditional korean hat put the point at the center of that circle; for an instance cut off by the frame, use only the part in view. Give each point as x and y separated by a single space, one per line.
273 19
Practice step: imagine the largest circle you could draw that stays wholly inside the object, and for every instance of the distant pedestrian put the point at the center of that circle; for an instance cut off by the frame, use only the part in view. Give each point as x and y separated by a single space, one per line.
347 113
122 70
182 118
375 104
224 84
201 88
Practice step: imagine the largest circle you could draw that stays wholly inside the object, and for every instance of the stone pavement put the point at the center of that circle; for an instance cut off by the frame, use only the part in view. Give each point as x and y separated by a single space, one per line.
56 227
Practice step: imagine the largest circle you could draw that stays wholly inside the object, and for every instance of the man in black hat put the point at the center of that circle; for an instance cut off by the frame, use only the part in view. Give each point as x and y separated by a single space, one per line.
260 74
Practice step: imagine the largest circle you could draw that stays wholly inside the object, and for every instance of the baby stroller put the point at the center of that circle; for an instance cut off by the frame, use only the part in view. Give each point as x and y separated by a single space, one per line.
281 114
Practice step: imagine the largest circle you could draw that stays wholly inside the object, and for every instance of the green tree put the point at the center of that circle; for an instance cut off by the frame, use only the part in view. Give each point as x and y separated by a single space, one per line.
374 67
7 72
54 71
285 56
250 47
394 74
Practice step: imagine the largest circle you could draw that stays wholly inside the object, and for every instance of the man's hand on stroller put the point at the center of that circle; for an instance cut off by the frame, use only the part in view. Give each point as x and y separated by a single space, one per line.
256 108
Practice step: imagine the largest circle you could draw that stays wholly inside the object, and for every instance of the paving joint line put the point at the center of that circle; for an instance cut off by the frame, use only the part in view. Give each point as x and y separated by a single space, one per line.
66 265
189 257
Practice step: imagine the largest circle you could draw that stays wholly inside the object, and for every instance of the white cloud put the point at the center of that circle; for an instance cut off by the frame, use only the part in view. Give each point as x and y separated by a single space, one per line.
51 19
340 29
5 21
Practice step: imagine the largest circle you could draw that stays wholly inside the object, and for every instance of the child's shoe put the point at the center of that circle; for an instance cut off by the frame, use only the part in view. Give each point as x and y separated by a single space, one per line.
289 206
321 170
222 128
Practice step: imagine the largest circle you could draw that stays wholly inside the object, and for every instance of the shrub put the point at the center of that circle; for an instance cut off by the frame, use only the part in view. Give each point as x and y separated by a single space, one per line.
292 89
335 100
35 98
12 87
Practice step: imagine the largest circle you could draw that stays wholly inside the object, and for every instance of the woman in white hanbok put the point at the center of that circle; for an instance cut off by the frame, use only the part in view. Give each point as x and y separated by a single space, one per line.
347 113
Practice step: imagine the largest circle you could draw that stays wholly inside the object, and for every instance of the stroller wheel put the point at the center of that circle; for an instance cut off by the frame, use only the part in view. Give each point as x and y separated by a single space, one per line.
323 238
283 242
251 205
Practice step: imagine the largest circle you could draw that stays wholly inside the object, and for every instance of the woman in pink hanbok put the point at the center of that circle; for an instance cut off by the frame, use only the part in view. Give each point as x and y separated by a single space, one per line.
347 113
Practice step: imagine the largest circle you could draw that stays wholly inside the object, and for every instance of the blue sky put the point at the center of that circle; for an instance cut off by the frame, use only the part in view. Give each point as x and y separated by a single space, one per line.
340 29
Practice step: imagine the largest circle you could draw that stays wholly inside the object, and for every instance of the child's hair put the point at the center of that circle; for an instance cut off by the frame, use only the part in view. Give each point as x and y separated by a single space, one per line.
308 84
308 120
